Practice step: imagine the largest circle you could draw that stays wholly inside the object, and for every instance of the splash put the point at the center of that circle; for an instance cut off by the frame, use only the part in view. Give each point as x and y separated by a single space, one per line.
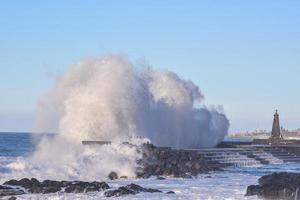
110 99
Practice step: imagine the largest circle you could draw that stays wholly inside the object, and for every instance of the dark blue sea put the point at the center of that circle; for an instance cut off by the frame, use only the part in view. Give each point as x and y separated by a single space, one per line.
16 144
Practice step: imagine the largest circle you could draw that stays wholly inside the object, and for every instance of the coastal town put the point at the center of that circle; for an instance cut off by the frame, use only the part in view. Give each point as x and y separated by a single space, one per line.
289 134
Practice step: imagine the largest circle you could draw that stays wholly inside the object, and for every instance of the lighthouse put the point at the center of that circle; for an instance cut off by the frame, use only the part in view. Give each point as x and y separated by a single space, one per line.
276 133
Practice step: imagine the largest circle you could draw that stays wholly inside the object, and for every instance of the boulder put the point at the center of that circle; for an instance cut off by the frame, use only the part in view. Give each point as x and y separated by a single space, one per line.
113 176
50 186
170 192
138 189
76 188
161 178
129 189
9 191
121 191
277 186
253 190
80 187
25 182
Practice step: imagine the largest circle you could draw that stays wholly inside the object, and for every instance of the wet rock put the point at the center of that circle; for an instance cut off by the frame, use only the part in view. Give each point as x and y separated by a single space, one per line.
92 189
32 185
100 185
9 191
49 186
138 189
75 189
161 178
277 186
50 183
50 189
121 191
129 189
12 198
170 192
253 190
113 176
124 177
80 187
11 182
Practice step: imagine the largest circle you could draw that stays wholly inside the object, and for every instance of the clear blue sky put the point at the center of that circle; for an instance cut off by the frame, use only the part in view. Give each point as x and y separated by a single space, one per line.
244 55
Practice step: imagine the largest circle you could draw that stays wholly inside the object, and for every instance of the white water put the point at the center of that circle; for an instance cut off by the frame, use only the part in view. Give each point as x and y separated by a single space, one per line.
228 185
110 99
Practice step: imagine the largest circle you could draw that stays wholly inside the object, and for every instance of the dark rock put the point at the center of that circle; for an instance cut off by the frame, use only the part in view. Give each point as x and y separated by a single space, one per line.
138 189
9 191
4 187
277 186
29 184
49 183
92 188
253 190
100 185
161 178
35 189
113 176
121 191
129 189
75 189
170 192
12 198
49 186
12 182
80 187
51 189
124 177
150 190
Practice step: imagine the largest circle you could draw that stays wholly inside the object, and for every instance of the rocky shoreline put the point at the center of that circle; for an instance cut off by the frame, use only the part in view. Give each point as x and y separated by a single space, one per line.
33 186
155 161
277 186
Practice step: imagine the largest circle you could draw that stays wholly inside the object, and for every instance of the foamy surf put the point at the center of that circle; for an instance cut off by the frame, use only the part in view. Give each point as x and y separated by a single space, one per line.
111 99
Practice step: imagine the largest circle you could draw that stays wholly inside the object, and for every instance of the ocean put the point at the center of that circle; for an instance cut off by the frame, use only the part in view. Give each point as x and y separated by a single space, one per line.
228 184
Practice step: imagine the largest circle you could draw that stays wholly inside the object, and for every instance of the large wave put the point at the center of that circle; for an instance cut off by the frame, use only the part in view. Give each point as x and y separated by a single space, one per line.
110 99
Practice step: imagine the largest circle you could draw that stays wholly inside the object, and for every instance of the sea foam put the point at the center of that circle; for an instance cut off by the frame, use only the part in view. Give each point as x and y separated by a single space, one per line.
110 99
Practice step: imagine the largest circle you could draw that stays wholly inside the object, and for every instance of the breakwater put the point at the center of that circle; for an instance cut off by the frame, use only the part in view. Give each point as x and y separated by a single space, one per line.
162 161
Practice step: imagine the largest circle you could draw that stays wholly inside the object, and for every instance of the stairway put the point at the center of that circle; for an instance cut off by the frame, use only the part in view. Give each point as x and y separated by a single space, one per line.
248 156
282 154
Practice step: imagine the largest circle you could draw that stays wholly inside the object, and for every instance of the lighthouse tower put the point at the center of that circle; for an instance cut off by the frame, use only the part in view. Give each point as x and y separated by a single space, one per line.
276 133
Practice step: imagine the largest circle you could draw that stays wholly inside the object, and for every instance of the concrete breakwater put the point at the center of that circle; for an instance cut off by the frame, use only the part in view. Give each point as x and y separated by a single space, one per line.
162 161
165 161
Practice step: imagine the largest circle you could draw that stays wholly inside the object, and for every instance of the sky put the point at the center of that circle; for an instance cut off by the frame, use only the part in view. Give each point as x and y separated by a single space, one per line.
244 55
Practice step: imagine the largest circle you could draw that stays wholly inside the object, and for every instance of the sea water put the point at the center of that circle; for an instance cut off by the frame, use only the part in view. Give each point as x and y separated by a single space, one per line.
229 184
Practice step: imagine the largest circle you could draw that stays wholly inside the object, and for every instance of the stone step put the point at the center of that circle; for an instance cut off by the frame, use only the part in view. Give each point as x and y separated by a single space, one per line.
249 156
291 160
229 153
279 154
287 156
